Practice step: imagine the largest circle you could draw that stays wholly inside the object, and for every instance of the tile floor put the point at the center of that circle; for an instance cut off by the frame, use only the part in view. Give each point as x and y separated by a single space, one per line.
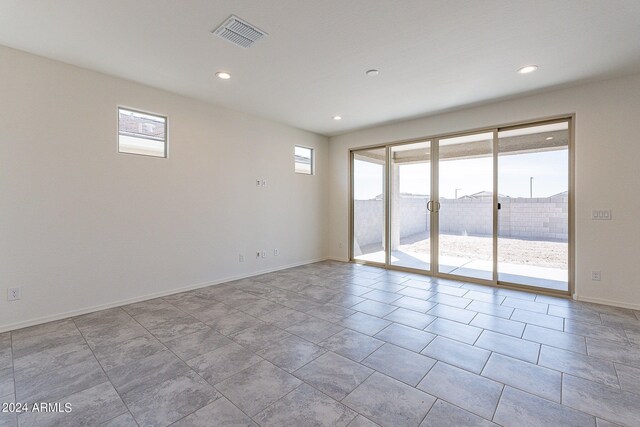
332 344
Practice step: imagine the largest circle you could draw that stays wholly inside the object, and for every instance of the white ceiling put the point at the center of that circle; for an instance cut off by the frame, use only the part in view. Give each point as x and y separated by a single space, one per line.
433 55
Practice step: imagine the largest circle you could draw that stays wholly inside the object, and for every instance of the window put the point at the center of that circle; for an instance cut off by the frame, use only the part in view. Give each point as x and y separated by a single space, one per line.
142 133
303 160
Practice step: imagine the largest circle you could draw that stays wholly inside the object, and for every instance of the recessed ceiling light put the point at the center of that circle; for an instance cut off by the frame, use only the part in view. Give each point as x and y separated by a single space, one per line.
372 73
223 75
528 69
337 117
549 138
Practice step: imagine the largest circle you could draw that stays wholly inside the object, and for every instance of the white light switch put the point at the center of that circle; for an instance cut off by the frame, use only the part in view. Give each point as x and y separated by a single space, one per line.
601 214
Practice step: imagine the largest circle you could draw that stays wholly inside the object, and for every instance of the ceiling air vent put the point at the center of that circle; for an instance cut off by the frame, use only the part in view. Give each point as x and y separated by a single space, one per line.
239 32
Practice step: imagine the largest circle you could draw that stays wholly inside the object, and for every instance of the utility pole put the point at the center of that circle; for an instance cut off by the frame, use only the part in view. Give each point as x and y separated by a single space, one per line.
531 187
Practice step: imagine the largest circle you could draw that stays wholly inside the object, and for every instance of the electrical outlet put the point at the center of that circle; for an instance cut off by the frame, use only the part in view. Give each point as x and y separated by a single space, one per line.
13 294
340 245
240 258
257 183
596 276
264 254
264 182
275 252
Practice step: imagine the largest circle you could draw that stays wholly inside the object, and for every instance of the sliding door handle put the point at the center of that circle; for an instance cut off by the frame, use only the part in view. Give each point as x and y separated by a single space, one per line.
431 205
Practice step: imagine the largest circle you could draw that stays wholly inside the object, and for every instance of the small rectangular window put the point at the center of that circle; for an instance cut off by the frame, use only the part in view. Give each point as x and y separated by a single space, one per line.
303 160
142 133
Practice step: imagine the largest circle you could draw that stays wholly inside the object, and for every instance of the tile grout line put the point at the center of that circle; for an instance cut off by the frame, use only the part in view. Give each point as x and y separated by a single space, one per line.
185 362
458 406
319 391
430 408
273 403
615 369
491 353
198 374
498 403
104 371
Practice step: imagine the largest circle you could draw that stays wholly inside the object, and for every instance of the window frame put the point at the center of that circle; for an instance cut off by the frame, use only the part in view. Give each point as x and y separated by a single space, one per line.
312 164
149 113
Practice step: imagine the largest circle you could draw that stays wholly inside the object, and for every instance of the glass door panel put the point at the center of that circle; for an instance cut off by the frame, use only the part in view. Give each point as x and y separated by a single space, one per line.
465 206
410 193
533 222
369 170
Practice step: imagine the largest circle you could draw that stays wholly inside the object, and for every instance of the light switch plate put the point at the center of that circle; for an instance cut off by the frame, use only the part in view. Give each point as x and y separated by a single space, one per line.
601 214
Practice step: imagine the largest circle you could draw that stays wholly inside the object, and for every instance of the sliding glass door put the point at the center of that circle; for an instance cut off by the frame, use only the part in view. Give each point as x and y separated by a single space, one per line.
368 193
465 206
492 206
410 194
533 184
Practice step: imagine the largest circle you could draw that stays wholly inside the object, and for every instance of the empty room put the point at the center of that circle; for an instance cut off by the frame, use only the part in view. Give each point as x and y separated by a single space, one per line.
308 213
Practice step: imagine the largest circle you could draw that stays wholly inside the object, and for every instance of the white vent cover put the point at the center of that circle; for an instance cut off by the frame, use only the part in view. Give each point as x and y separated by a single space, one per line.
239 32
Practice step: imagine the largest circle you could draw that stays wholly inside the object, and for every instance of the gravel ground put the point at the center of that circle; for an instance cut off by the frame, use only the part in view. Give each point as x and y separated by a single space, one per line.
515 251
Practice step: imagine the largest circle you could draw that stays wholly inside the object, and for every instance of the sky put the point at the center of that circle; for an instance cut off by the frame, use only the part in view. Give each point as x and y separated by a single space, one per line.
549 171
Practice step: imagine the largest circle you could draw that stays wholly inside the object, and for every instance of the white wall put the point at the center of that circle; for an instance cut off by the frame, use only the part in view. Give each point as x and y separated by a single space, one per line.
82 226
607 153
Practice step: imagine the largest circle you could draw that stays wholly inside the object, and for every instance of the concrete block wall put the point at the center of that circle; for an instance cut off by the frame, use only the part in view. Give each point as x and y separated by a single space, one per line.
537 218
368 218
466 216
525 218
414 217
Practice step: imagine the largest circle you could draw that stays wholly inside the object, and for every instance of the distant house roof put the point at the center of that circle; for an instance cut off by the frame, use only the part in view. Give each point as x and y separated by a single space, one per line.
563 194
302 159
414 196
141 126
483 195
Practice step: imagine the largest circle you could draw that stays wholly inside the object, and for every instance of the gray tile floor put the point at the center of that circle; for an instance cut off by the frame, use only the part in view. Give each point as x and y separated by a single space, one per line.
332 344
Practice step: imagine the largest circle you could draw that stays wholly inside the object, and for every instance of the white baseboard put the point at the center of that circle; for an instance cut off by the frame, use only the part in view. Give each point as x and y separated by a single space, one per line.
86 310
607 302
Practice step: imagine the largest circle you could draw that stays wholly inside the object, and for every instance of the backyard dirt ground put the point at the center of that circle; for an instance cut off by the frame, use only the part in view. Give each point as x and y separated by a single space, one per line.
514 251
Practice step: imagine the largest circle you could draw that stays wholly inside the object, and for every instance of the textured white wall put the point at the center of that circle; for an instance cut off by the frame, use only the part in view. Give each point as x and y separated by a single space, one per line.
607 150
82 226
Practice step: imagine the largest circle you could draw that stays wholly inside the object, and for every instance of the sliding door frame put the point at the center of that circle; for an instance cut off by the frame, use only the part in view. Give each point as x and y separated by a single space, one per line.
434 220
388 185
434 236
352 153
570 120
